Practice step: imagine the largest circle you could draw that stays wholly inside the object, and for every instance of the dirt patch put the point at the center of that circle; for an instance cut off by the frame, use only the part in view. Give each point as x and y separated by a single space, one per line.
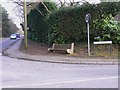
35 48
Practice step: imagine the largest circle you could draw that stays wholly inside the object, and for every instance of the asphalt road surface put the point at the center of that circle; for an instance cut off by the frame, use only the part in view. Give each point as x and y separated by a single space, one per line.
28 74
5 43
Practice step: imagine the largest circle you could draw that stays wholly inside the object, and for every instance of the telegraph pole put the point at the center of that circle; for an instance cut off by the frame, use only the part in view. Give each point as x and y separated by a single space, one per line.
25 24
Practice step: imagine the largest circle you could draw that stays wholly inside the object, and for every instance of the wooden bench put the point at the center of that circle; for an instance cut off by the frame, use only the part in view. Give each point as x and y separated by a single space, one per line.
103 43
66 48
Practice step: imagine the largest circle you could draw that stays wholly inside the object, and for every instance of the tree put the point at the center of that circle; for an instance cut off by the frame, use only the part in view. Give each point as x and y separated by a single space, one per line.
8 27
5 24
30 6
69 3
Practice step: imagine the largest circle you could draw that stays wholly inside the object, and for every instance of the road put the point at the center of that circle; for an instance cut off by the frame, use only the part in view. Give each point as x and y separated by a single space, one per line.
18 73
26 74
5 43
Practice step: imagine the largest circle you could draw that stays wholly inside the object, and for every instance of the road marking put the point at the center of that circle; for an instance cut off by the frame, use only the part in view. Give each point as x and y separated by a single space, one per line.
0 54
62 82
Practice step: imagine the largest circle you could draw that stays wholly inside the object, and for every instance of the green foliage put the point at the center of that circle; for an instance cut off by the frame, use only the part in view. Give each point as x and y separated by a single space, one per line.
37 22
107 8
68 24
110 29
64 25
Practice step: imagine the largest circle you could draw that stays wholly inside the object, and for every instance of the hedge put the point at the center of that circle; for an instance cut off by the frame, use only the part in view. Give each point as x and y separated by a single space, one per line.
68 25
37 22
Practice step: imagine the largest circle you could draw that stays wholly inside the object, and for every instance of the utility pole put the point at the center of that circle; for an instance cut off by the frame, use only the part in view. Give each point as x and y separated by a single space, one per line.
87 19
25 24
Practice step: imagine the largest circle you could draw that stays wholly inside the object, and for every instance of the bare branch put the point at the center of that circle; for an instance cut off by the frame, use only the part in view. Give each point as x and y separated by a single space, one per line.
45 7
38 10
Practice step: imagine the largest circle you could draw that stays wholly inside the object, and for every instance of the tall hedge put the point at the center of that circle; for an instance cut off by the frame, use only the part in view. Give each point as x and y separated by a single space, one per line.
68 24
38 27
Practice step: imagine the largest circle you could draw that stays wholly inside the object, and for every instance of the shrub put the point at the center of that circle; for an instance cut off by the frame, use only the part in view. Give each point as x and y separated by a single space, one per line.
37 22
68 24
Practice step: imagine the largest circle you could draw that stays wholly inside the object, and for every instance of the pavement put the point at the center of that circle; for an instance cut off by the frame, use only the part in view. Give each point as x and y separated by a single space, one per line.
14 52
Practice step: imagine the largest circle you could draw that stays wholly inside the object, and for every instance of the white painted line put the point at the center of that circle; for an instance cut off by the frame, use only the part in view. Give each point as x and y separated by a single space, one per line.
0 54
62 82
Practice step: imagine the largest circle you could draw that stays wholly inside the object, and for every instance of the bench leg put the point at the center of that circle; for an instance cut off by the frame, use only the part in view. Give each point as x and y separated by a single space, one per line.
50 51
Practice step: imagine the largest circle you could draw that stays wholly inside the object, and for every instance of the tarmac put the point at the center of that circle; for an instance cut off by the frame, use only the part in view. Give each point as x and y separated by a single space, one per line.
13 52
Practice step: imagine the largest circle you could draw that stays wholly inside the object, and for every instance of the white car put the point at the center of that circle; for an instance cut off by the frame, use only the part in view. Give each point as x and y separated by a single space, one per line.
13 36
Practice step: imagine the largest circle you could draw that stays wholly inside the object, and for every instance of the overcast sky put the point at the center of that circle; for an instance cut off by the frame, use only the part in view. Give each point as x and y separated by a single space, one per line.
10 7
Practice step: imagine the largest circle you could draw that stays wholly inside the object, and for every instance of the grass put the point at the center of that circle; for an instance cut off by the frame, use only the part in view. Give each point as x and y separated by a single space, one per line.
100 51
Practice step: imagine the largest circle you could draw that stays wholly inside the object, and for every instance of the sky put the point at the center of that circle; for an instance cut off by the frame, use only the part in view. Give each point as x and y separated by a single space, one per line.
10 7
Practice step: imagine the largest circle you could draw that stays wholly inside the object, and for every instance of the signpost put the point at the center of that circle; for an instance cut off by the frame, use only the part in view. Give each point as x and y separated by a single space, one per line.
87 19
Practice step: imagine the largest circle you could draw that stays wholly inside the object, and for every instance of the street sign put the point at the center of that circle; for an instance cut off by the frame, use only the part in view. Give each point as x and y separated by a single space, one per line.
87 19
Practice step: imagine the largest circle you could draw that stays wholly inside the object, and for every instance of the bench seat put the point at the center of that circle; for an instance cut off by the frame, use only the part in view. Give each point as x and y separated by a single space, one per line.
64 48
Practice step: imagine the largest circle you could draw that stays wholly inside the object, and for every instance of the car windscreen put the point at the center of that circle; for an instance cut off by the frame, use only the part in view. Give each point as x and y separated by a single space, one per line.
13 35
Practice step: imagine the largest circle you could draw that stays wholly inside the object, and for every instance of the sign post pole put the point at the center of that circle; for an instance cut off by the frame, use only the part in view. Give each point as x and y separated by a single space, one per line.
88 39
87 19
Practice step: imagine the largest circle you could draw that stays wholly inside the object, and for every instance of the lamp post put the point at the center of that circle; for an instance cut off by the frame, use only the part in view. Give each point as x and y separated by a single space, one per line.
25 24
87 19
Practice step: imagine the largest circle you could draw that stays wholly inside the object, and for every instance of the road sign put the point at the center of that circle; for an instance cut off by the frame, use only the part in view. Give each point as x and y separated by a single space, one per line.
87 18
